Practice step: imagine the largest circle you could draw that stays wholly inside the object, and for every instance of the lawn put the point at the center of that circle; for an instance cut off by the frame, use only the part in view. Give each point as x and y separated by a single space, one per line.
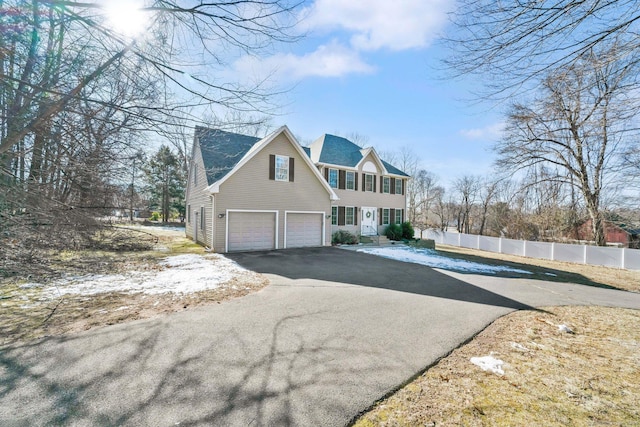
79 290
546 375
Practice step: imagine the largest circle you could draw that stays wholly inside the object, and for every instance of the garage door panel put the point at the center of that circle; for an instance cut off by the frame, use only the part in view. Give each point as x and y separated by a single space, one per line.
304 229
251 231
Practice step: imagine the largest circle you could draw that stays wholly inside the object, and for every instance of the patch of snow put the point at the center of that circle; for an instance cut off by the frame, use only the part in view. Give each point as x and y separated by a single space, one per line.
181 274
519 347
489 363
565 328
124 307
431 258
551 274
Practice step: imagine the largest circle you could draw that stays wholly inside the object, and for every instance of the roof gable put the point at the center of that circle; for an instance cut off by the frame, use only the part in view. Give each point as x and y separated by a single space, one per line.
222 150
339 151
262 143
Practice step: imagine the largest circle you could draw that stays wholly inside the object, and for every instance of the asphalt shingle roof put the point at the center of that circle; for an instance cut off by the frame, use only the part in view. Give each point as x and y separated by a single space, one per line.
342 152
221 150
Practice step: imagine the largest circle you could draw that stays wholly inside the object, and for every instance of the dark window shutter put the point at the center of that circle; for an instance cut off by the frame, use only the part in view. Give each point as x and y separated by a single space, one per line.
355 216
404 181
342 178
291 169
326 174
381 184
403 215
392 186
364 181
392 216
380 216
340 215
272 167
374 183
355 179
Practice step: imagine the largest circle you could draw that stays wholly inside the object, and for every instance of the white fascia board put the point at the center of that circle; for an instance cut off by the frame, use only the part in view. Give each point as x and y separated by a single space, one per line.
370 150
258 146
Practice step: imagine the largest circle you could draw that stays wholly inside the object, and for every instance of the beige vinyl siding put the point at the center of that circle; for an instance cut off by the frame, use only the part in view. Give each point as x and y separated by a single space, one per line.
359 198
250 188
198 196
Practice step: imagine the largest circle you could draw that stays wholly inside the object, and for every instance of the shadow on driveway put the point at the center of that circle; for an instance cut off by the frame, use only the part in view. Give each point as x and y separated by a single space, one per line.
356 268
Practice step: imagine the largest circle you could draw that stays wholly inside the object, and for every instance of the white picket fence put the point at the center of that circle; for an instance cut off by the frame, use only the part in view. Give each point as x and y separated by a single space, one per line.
583 254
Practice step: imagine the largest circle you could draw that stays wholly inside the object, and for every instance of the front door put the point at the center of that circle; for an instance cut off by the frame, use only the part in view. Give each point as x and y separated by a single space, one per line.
369 222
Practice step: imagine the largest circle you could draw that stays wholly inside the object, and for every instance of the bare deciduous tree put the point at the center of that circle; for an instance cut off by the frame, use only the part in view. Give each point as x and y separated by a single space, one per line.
579 126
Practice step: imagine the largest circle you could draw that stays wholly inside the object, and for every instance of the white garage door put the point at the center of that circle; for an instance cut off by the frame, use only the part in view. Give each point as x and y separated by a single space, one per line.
251 231
304 229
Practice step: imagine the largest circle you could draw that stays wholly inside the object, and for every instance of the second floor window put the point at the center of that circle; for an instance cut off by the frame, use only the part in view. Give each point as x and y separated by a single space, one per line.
368 182
398 186
386 184
351 181
282 168
333 178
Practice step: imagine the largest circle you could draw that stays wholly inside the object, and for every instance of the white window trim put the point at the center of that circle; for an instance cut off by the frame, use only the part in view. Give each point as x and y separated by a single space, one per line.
303 212
353 216
373 177
226 231
398 211
286 159
386 181
332 208
353 181
337 177
388 212
398 182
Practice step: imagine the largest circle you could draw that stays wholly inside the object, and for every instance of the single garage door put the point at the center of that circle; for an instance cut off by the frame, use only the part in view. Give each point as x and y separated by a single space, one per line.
251 231
304 229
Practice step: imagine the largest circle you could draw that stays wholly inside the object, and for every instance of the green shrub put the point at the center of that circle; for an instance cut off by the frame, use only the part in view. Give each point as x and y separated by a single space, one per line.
393 232
155 216
407 230
343 237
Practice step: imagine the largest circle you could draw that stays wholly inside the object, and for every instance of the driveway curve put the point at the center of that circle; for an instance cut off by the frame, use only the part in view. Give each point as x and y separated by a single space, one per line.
335 331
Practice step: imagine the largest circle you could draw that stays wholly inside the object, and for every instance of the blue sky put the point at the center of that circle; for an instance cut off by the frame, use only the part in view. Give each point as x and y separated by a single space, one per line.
371 67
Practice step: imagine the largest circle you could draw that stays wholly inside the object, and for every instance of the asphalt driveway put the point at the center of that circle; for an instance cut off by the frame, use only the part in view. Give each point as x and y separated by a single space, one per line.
335 331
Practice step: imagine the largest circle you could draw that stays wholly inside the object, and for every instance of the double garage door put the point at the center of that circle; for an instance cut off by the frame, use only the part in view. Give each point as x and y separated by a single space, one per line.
251 231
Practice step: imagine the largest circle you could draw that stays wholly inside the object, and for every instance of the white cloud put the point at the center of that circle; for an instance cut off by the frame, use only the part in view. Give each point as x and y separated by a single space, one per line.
490 132
331 60
377 24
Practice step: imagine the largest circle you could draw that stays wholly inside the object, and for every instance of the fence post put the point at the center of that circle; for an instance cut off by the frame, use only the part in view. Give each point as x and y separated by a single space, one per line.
499 245
478 244
524 248
459 240
622 257
553 251
585 254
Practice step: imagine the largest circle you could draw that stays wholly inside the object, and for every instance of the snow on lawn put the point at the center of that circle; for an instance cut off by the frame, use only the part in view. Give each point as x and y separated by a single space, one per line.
178 274
432 258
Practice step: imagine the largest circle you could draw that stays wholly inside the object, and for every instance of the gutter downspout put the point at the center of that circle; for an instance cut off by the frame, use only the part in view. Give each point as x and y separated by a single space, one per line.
213 221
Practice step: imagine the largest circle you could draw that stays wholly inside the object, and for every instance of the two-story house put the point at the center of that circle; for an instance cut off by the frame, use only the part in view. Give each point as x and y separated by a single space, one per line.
246 193
372 192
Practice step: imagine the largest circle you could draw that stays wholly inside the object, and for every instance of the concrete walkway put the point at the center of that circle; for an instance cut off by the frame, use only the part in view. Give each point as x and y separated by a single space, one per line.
335 331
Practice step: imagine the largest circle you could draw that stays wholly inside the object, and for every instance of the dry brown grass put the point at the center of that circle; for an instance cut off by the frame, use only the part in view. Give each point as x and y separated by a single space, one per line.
592 275
551 378
25 316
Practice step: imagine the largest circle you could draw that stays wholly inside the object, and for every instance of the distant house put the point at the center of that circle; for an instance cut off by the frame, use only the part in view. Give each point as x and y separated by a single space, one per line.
621 234
246 193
